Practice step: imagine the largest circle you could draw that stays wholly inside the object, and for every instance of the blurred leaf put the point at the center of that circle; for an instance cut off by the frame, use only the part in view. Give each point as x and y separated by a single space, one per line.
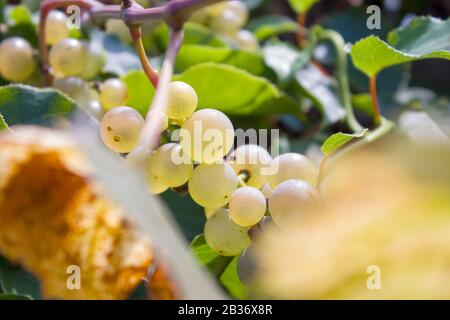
216 264
422 38
322 90
19 15
253 4
363 102
231 281
191 55
140 91
2 8
13 297
284 59
302 6
269 26
15 281
235 91
120 59
338 140
23 104
3 124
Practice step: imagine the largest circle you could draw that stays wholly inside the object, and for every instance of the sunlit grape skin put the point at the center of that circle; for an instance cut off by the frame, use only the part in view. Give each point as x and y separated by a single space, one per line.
246 40
170 166
95 60
67 57
292 166
183 101
113 93
56 27
207 136
16 59
120 129
211 185
252 160
227 22
292 199
224 236
247 206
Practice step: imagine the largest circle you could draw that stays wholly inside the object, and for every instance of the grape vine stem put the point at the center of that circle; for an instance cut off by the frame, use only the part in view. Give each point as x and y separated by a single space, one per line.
376 105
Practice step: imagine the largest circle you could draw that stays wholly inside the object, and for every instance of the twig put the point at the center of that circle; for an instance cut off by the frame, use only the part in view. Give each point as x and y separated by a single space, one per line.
376 105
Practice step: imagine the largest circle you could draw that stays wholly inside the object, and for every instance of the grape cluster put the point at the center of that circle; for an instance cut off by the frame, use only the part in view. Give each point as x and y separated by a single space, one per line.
228 18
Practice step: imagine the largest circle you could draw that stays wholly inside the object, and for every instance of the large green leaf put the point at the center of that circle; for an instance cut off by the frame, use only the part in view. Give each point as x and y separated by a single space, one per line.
422 38
24 104
15 281
302 6
269 26
192 54
235 91
140 91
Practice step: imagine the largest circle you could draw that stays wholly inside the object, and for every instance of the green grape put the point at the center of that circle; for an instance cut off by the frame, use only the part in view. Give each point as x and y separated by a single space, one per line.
16 59
211 185
200 16
113 93
292 199
74 87
95 61
120 29
227 22
247 206
210 211
120 129
266 190
224 236
292 166
67 57
183 101
246 40
56 27
253 160
207 136
170 166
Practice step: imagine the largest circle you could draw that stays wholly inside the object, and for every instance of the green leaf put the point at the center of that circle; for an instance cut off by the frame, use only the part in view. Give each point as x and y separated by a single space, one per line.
24 104
270 26
338 140
140 91
302 6
4 296
3 124
422 38
216 264
191 55
18 15
235 91
231 281
253 4
322 90
16 281
284 59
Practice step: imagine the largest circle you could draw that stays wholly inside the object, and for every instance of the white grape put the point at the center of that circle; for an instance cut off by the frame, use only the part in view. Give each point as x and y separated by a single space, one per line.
120 29
16 59
240 9
292 199
67 57
224 236
292 166
207 136
74 87
266 190
227 22
162 121
113 93
247 206
93 105
56 27
183 101
170 166
210 211
246 40
253 160
211 185
95 61
120 129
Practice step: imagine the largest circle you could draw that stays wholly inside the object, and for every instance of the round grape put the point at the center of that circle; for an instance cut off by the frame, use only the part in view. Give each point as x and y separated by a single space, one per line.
247 206
210 211
266 190
207 136
246 40
253 160
211 185
163 120
227 22
113 93
292 166
56 27
292 199
68 57
120 129
119 29
224 236
16 59
95 61
74 87
183 101
170 166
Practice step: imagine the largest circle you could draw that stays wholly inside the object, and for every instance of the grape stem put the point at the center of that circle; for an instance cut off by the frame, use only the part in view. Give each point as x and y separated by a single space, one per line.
341 75
376 105
301 23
